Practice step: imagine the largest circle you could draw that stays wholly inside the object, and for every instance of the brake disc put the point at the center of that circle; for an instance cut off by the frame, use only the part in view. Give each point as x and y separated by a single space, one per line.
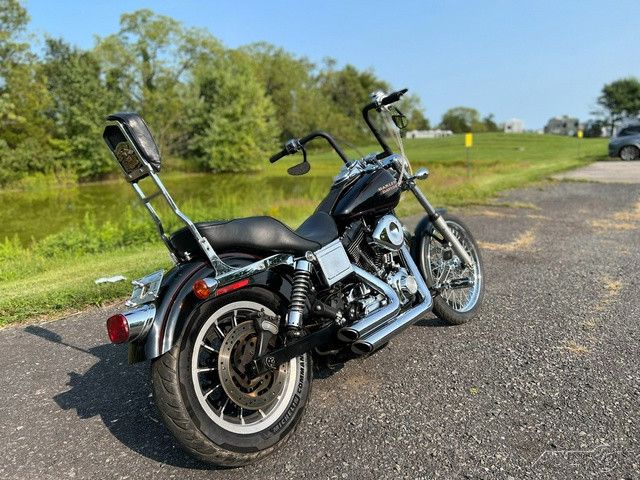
236 352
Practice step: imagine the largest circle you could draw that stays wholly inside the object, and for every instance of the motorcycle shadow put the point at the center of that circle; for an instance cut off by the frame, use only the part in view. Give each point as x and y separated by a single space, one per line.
121 397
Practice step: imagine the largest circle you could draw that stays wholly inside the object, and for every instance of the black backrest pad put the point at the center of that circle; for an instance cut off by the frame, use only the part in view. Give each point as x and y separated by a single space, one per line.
137 129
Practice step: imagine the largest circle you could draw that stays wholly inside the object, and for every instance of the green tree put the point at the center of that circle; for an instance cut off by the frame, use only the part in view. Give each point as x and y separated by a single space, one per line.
460 119
147 64
490 124
13 48
24 131
80 102
347 90
287 80
231 118
620 99
417 120
411 106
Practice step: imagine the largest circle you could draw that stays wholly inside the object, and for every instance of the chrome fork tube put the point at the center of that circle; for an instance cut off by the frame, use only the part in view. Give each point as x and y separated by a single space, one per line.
441 225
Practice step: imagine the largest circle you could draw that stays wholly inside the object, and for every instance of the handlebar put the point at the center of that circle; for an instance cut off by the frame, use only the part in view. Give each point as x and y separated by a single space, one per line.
278 156
393 97
294 145
376 105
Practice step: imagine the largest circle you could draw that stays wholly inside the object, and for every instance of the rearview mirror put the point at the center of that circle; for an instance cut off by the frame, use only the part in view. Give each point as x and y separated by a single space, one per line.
421 174
400 119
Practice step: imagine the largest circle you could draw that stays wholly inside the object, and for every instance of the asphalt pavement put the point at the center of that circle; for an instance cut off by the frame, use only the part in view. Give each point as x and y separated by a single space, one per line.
611 171
544 384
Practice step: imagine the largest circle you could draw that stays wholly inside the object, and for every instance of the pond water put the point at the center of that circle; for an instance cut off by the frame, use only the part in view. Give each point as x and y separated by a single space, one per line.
33 215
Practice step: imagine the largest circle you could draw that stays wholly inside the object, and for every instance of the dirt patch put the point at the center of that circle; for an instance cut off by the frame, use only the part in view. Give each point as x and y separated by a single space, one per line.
574 347
624 220
629 215
492 214
607 225
521 243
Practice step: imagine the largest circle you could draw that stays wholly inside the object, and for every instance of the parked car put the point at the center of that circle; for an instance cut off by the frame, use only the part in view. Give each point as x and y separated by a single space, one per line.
626 144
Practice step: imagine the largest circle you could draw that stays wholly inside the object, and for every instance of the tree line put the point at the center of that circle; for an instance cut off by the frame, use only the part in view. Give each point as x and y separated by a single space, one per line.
218 109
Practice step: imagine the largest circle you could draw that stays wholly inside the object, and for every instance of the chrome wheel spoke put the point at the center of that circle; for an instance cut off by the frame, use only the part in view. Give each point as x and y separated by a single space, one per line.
208 347
226 402
219 330
206 369
210 391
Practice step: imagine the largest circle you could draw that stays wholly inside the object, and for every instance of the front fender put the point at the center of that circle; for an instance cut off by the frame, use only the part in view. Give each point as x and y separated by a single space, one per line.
177 301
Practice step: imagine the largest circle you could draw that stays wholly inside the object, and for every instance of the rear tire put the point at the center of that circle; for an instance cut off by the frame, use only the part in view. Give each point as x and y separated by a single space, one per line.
450 304
197 408
630 152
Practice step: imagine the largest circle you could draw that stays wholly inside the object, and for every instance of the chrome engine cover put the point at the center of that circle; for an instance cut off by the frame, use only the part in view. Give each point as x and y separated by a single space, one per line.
388 233
404 284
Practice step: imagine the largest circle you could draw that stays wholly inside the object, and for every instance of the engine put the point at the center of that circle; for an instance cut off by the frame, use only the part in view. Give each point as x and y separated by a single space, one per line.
377 251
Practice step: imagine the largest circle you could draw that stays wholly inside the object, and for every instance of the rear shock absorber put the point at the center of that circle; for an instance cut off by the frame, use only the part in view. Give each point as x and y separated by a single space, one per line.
299 294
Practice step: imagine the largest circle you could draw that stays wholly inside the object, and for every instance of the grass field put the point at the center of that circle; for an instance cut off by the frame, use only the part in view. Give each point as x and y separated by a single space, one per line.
56 274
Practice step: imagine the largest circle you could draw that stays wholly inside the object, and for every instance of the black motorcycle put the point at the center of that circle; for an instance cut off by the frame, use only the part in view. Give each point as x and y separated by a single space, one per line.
232 329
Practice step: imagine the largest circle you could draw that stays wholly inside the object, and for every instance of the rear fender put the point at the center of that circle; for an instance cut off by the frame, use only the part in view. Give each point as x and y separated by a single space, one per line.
178 301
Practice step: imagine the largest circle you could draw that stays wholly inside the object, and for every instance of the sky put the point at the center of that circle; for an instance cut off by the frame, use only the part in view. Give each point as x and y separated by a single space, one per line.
528 60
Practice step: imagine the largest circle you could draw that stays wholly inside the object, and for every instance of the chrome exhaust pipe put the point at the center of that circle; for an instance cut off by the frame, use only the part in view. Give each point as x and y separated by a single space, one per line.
376 318
370 342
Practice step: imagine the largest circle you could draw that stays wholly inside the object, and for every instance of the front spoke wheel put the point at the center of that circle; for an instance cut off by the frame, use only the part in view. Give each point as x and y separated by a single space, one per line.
458 289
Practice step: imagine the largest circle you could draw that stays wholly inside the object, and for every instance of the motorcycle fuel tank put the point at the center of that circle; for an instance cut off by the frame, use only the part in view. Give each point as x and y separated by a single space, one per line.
373 193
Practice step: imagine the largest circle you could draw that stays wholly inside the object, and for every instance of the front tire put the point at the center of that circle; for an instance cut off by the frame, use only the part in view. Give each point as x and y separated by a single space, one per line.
630 152
441 267
218 414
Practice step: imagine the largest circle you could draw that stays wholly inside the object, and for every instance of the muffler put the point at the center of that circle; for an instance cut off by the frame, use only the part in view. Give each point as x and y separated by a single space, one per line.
380 335
376 318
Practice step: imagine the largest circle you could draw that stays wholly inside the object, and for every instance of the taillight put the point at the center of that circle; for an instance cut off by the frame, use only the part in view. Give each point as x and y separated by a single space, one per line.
232 286
118 328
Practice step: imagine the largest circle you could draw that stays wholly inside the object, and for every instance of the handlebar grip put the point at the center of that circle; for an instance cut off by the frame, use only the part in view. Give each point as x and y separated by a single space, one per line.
278 156
393 97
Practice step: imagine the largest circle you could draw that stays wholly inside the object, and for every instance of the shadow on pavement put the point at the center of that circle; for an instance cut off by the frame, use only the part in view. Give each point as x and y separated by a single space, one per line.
120 394
431 321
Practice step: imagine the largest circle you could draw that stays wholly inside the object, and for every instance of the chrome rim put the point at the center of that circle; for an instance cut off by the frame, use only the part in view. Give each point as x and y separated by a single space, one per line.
224 345
443 272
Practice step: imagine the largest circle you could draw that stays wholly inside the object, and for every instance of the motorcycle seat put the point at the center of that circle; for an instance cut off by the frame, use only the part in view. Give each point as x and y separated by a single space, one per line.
259 235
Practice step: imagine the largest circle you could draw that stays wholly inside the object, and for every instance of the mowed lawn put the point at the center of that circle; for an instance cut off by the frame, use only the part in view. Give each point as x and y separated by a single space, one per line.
45 286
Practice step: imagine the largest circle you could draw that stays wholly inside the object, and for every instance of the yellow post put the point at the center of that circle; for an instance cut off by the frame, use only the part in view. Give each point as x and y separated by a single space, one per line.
580 135
468 143
468 140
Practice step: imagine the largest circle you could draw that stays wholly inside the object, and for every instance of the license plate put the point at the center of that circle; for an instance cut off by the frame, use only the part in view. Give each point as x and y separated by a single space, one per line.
145 289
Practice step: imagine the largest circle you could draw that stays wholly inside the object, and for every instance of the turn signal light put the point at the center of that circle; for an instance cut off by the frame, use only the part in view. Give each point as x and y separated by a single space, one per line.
206 287
201 289
118 328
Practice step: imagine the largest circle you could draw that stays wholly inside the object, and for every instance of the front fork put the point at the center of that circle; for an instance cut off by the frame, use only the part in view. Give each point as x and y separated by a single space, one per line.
441 225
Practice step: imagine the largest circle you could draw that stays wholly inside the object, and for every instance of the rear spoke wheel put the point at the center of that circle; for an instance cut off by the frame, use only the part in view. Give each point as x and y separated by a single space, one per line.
227 343
205 393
